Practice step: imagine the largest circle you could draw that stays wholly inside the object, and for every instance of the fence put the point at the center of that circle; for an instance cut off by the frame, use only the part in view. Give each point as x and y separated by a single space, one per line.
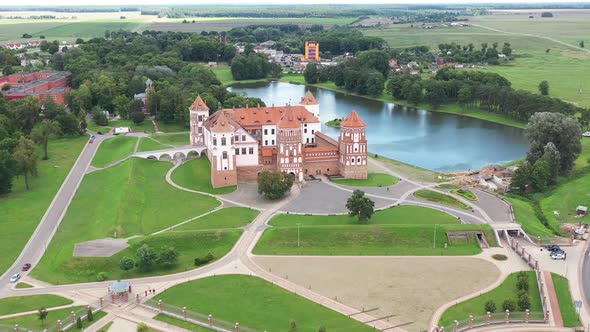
494 318
63 324
208 321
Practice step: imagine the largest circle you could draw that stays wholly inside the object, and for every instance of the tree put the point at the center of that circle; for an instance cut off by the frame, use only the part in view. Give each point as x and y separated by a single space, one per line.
79 322
415 93
43 131
292 326
582 44
167 257
540 175
507 49
490 306
562 130
121 104
42 313
522 282
90 315
25 156
146 257
509 304
553 159
544 88
126 263
274 185
524 302
7 171
311 73
99 117
360 206
8 70
137 117
375 59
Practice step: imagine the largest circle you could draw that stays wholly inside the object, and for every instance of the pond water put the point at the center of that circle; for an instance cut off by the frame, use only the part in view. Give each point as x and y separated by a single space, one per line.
436 141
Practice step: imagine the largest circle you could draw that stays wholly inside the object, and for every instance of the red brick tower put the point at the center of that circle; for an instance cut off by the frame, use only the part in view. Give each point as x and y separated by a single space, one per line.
290 156
352 146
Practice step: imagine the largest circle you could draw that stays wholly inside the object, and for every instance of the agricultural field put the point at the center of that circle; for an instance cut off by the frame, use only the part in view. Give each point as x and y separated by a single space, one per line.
253 302
22 210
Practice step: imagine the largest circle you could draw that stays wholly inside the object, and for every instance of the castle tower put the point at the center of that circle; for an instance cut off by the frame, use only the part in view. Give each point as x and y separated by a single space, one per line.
352 146
221 153
199 112
290 156
311 104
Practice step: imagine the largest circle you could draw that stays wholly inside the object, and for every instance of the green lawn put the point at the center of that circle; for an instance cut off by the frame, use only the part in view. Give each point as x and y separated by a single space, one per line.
22 210
363 240
565 199
138 201
584 157
411 171
223 73
256 304
12 305
148 144
114 149
467 194
32 321
171 127
566 304
177 139
526 217
404 215
196 174
437 197
145 126
231 217
448 186
507 290
372 180
181 323
23 285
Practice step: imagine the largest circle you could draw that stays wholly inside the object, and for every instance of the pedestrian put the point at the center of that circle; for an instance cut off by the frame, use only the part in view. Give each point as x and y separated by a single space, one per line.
154 291
387 188
145 293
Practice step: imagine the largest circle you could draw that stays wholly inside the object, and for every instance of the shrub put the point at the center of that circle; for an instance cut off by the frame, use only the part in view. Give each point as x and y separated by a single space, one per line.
79 322
142 327
101 276
522 282
524 302
90 315
509 304
204 260
490 306
499 257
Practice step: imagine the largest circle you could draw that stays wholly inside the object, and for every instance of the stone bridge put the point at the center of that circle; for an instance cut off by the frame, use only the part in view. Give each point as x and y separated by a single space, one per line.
173 153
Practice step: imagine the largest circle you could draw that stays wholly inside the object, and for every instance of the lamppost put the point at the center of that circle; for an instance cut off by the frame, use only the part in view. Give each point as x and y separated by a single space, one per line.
298 242
434 239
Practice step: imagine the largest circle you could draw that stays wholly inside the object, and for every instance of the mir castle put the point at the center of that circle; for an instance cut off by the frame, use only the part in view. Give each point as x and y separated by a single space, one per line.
242 142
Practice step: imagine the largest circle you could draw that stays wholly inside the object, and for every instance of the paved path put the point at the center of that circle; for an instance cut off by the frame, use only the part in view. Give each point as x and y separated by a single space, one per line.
552 297
37 244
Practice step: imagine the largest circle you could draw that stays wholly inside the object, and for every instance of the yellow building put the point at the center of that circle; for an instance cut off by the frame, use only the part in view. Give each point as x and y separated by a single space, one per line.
312 51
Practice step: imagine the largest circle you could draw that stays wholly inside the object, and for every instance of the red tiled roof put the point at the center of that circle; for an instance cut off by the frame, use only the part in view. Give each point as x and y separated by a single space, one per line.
267 152
258 116
289 119
353 120
222 124
309 99
199 105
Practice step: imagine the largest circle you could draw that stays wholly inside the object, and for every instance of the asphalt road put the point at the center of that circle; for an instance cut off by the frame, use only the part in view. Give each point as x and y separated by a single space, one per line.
38 242
586 276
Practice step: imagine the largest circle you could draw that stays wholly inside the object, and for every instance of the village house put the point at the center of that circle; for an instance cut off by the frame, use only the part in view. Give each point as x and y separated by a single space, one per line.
242 142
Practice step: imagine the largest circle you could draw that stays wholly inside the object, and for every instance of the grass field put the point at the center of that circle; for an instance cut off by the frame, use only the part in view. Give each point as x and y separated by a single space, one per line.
507 290
139 201
411 171
171 127
196 174
148 144
12 305
565 199
176 139
114 149
398 215
32 321
464 193
23 285
437 197
231 217
584 157
257 304
180 323
448 186
223 73
566 304
373 180
372 240
22 210
525 216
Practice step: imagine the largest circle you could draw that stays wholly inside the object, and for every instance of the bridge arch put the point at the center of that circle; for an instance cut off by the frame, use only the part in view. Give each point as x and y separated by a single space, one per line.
179 154
165 156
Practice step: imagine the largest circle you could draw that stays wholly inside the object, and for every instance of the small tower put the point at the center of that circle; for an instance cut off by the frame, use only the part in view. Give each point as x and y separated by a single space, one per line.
311 104
352 146
290 156
222 152
199 112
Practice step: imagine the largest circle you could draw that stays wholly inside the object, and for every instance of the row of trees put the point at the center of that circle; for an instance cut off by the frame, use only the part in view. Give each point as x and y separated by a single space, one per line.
523 301
23 124
147 258
453 52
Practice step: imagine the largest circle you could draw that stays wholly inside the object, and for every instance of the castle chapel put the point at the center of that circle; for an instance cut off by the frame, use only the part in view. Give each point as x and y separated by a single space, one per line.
242 142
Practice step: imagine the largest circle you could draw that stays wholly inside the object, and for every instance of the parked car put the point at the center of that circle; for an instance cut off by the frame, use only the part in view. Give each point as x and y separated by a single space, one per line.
100 132
586 134
15 277
26 267
558 254
91 141
552 247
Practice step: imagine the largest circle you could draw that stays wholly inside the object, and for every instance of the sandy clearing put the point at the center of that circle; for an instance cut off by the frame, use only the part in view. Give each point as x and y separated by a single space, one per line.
411 288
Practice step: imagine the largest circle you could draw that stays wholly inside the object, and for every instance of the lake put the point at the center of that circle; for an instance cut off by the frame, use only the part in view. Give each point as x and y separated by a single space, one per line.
432 140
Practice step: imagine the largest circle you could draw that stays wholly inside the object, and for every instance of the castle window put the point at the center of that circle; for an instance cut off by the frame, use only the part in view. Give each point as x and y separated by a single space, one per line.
243 150
214 141
224 155
265 142
356 149
265 131
237 152
251 151
307 140
200 117
232 140
273 142
313 131
243 138
305 131
358 160
200 130
272 131
223 141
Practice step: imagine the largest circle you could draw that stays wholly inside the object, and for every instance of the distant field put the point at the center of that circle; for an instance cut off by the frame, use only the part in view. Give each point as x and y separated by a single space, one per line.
227 23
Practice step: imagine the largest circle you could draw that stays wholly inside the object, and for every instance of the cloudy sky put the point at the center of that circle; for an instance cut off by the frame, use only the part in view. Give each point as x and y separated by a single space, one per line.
158 2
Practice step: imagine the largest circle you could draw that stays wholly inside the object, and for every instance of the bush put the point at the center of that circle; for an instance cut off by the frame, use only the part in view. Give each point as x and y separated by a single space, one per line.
89 315
79 322
522 282
490 306
204 260
101 276
99 117
524 302
137 117
142 327
499 257
509 304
